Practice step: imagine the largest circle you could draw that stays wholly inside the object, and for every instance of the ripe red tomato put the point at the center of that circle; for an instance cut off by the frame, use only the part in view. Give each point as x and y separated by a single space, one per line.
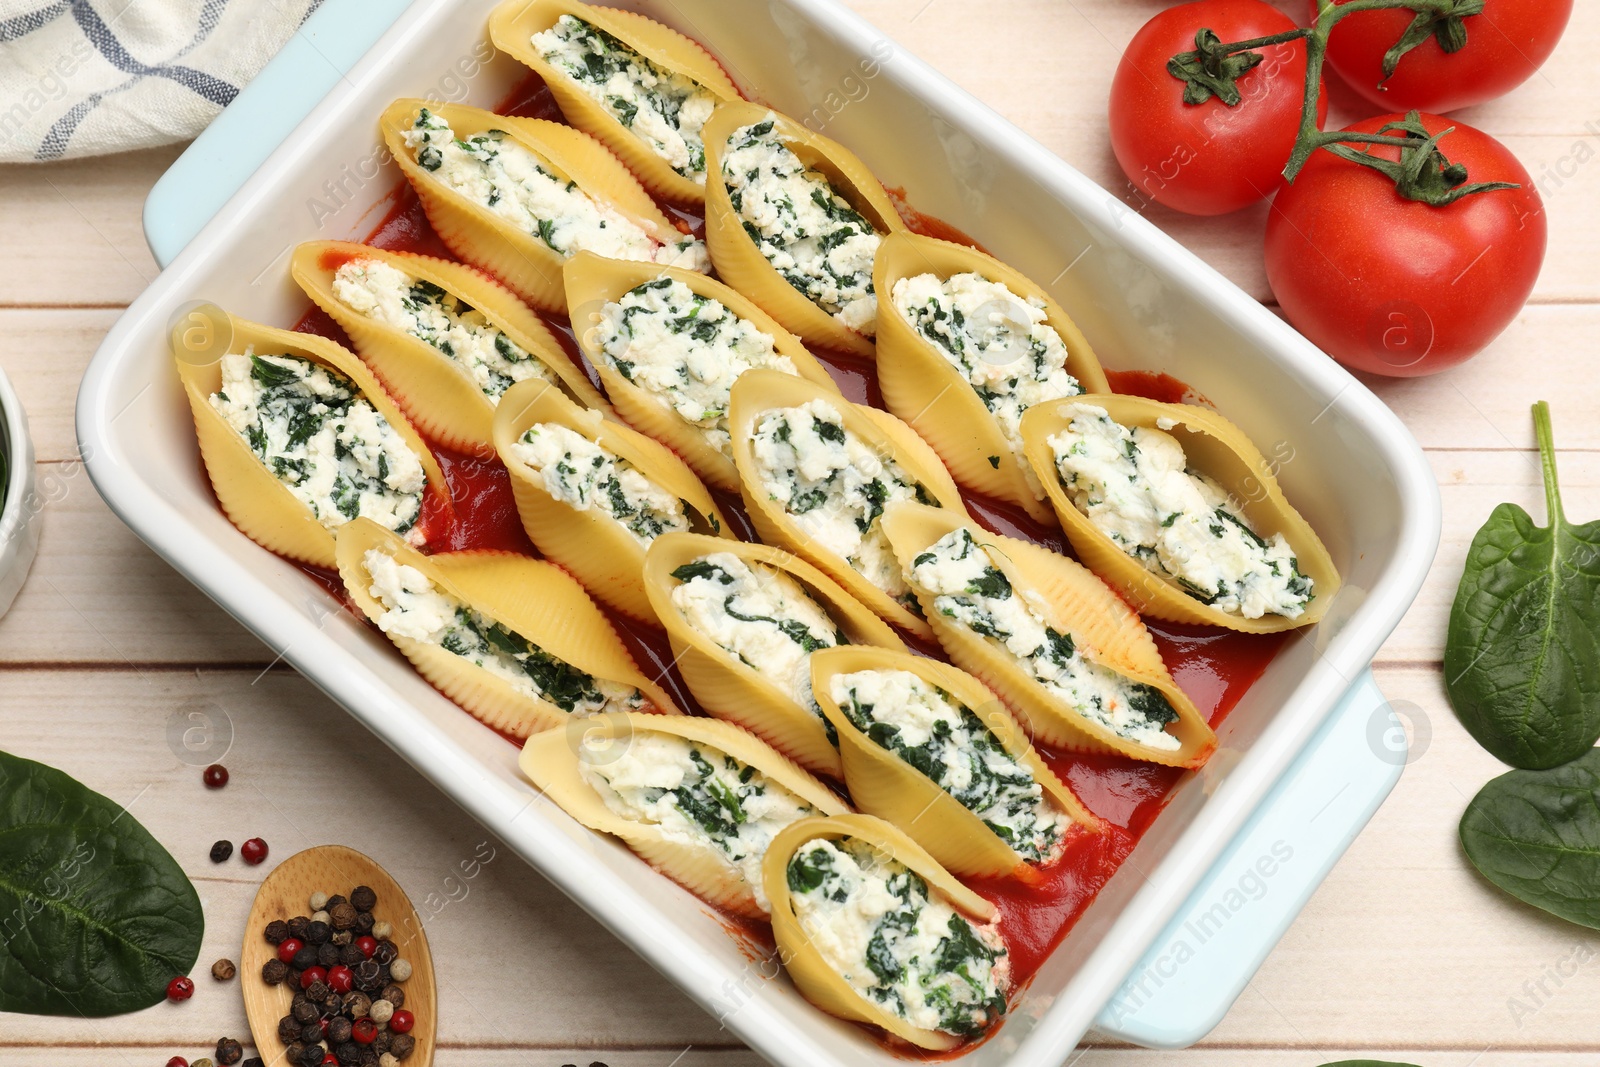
1208 159
1505 45
1398 287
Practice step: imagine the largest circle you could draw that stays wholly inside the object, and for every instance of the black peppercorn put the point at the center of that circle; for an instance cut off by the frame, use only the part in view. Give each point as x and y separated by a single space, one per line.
229 1051
327 956
277 932
338 1030
311 1056
224 970
318 992
347 1053
351 955
342 937
342 916
317 933
400 1045
306 957
288 1029
386 952
304 1011
363 898
357 1004
394 995
273 971
253 1061
369 1057
363 922
291 977
311 1033
297 927
380 1044
221 851
292 1051
333 902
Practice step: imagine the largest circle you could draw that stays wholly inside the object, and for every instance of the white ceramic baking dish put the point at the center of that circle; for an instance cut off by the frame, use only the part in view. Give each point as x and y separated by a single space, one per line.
1144 302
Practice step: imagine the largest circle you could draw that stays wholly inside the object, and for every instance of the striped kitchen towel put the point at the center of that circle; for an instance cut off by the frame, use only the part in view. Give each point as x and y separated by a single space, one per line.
88 77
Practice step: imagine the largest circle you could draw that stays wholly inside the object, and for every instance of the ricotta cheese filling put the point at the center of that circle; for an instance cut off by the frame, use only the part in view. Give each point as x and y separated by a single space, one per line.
761 616
1134 486
664 109
834 486
970 590
497 173
999 342
686 350
873 921
582 475
808 232
697 795
942 738
417 609
311 427
437 317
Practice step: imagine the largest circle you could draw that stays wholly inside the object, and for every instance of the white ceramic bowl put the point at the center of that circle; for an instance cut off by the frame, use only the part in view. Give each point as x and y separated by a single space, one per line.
1144 302
19 514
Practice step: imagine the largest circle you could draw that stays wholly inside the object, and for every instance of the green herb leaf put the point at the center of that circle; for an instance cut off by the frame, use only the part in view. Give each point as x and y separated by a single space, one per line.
1536 834
95 916
1522 660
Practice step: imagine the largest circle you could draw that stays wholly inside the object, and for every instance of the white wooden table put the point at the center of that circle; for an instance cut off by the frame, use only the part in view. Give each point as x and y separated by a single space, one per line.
1403 954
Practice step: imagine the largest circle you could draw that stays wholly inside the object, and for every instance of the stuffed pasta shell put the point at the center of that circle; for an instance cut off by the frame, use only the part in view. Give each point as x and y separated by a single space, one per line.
1058 645
699 800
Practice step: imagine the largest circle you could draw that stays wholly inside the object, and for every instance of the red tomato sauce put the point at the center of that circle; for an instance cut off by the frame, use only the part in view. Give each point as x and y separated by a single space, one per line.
1214 667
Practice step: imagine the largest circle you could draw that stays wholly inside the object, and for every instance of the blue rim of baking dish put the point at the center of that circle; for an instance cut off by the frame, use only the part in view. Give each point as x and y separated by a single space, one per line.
1208 952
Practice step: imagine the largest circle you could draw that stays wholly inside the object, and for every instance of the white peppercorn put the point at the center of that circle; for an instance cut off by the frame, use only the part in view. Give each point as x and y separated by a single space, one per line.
388 1060
319 916
382 930
382 1011
318 902
400 969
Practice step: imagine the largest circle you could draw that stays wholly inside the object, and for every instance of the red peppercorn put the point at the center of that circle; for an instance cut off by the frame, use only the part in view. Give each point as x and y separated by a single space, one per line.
367 945
330 1058
402 1021
180 988
215 776
312 974
253 851
288 947
340 978
365 1031
177 1061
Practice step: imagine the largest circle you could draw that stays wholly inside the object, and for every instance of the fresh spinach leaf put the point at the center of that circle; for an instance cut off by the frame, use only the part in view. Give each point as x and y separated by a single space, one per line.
95 916
1522 659
1536 834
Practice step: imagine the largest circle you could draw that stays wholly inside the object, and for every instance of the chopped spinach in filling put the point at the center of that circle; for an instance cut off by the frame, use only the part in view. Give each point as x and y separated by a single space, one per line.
664 109
696 794
421 611
969 589
835 486
810 234
873 921
999 342
1134 486
686 350
942 738
583 475
760 615
311 427
437 317
494 171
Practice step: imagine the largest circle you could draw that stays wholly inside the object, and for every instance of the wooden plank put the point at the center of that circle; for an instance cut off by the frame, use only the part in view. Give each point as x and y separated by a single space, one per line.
514 958
97 595
44 353
71 231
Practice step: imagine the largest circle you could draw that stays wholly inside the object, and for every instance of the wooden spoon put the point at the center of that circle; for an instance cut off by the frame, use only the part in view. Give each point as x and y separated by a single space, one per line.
286 893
